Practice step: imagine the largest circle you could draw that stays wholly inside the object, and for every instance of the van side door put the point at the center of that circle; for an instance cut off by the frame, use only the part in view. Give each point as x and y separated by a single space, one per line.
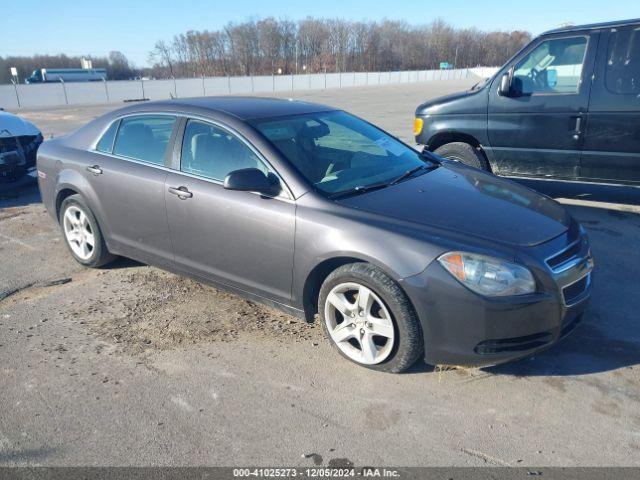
537 128
612 141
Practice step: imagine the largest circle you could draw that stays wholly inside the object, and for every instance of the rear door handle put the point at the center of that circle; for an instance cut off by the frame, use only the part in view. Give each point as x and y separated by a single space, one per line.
95 169
181 192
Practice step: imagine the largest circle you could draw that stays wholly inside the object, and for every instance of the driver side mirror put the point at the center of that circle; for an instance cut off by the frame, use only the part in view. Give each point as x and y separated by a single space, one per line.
504 89
252 180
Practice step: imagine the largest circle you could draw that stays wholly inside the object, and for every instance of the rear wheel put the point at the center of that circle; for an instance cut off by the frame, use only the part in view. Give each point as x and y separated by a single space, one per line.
82 233
368 318
463 153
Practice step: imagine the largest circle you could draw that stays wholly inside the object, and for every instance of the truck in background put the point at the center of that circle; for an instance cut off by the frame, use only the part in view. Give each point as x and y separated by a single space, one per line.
48 75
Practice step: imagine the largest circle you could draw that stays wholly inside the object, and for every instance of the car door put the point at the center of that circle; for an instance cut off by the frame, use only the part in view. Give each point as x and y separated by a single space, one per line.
612 140
241 239
127 174
536 129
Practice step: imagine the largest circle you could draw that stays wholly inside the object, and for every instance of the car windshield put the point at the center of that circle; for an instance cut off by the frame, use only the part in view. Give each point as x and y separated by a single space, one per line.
339 153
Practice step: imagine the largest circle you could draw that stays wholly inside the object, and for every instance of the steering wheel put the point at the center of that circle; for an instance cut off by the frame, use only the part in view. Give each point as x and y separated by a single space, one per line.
537 78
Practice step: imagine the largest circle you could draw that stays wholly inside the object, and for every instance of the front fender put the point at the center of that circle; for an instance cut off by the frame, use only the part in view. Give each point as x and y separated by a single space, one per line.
440 129
323 235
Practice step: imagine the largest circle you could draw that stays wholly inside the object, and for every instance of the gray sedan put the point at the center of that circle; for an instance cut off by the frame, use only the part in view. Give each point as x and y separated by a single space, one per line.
310 209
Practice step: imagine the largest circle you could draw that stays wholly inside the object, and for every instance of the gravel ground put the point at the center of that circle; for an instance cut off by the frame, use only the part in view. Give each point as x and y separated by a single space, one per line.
130 365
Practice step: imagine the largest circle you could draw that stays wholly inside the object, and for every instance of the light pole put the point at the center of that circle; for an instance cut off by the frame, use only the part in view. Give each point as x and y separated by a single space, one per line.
64 89
14 74
15 86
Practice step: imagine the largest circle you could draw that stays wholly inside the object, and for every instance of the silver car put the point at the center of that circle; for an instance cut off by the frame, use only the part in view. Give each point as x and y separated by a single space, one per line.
19 142
403 255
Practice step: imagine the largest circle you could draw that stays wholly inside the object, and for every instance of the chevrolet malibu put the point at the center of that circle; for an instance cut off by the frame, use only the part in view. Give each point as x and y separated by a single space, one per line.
403 255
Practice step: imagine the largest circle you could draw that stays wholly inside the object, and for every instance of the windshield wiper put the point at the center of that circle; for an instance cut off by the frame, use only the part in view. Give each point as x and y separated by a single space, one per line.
358 190
408 173
377 186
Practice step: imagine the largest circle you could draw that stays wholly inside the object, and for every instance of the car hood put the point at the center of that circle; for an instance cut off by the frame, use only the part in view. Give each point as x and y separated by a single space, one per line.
16 126
469 202
467 102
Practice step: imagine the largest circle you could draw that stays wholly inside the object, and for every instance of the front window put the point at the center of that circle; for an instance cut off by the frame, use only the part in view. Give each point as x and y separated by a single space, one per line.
554 66
211 152
339 153
36 75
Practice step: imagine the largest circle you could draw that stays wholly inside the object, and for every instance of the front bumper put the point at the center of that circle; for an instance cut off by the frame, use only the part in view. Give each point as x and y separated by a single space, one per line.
18 154
463 328
9 161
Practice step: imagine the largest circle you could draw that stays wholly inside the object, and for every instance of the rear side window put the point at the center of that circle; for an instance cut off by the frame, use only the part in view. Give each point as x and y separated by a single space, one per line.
211 152
622 74
106 142
144 137
554 66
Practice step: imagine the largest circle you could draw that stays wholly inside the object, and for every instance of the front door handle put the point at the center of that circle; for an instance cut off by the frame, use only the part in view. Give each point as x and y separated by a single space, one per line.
577 131
181 192
95 169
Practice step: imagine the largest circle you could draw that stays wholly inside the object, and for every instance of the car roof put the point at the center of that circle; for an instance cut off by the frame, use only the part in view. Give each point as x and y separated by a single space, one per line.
243 108
594 26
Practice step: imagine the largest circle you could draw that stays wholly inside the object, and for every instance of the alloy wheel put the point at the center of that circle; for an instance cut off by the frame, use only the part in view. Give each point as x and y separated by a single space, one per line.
78 232
359 323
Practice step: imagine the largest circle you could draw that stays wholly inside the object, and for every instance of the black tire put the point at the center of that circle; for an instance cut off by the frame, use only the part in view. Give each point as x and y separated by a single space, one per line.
409 343
100 255
463 153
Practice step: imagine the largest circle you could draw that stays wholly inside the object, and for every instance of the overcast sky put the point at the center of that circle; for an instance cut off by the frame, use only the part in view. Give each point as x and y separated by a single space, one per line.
132 27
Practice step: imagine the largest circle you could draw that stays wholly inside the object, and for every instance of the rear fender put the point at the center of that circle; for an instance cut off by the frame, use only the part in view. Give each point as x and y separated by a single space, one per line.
71 179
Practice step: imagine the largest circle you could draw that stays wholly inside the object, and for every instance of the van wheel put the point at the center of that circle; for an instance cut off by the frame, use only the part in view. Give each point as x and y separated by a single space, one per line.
368 318
82 233
463 153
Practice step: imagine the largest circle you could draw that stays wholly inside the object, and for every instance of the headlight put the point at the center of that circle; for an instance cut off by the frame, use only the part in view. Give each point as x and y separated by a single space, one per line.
488 276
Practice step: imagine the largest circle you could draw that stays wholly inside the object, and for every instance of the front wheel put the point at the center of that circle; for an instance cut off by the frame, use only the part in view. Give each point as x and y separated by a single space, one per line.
368 318
463 153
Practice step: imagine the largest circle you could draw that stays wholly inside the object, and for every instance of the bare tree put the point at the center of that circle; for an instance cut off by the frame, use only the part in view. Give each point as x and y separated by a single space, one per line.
162 56
270 45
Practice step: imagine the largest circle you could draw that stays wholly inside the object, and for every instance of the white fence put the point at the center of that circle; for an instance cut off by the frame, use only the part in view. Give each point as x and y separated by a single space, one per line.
484 72
54 94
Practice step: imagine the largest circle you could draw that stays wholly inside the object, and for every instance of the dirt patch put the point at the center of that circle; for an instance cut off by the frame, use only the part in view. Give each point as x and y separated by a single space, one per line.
26 222
13 212
153 309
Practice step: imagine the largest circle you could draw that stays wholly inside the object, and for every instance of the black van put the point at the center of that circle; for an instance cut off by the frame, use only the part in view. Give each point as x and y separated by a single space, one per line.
566 106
